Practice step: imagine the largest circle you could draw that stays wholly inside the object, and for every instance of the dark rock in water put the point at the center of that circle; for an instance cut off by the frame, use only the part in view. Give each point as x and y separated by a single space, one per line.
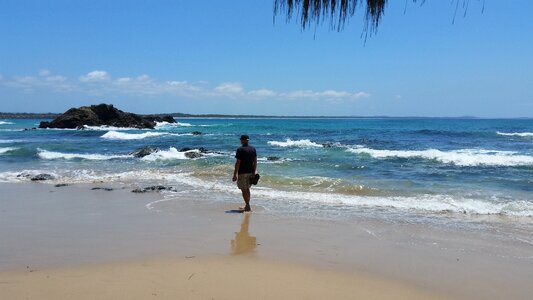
154 188
196 133
61 184
168 119
328 145
41 177
44 124
98 115
102 188
203 150
196 153
193 154
144 151
25 175
273 158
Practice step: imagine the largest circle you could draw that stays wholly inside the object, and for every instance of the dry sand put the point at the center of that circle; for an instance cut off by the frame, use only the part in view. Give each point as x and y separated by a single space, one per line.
201 278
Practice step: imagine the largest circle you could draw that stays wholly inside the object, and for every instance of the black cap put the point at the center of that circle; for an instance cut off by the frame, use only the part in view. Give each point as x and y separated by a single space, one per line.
245 137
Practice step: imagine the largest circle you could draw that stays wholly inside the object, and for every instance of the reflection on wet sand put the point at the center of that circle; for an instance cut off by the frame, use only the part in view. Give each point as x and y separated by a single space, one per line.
243 243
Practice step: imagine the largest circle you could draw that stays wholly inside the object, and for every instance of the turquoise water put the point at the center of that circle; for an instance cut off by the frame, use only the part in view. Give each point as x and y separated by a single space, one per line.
422 167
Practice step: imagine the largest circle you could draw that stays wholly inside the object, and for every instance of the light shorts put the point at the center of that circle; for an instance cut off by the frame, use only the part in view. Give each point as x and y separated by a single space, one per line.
244 181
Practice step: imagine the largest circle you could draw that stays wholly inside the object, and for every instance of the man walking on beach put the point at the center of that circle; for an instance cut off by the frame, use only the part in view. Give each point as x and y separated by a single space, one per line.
245 168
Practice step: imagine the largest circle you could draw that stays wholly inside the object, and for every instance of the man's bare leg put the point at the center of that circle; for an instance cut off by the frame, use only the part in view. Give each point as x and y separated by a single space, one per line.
246 198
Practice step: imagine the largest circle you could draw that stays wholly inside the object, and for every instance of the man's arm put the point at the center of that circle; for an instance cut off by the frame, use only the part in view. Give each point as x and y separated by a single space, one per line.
237 165
255 164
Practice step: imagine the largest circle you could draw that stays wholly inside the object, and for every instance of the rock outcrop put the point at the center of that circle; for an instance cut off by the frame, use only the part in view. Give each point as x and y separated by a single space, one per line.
103 115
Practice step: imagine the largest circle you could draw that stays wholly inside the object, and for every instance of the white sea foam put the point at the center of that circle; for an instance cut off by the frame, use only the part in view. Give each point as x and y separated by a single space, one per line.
170 154
106 128
280 160
24 175
521 134
6 123
421 203
116 135
427 203
7 141
298 144
44 154
182 124
5 150
463 157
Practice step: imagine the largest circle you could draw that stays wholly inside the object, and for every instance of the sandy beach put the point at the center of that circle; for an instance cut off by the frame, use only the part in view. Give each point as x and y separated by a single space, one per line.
76 242
202 278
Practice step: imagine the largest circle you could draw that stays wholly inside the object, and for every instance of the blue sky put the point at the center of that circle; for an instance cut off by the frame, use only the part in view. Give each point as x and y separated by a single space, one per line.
228 57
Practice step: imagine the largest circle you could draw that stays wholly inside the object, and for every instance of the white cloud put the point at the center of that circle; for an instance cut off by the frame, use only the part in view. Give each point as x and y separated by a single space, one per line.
262 93
44 72
327 94
123 80
229 88
29 83
143 77
57 78
360 95
99 82
95 76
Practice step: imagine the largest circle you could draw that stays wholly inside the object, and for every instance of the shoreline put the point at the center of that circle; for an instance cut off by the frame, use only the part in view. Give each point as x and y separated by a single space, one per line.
52 228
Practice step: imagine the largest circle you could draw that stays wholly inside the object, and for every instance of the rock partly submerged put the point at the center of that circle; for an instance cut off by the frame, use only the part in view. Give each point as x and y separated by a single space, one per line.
188 152
154 188
144 151
103 115
42 177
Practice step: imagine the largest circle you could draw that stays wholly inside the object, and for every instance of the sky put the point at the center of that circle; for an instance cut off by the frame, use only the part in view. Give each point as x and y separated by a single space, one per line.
230 57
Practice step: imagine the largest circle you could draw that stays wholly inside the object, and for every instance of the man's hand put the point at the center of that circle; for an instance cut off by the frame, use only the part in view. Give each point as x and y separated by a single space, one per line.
234 178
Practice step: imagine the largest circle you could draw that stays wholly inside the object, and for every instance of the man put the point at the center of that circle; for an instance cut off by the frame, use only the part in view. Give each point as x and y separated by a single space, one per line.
245 168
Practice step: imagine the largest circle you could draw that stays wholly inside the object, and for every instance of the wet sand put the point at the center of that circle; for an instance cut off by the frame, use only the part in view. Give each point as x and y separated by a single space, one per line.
74 242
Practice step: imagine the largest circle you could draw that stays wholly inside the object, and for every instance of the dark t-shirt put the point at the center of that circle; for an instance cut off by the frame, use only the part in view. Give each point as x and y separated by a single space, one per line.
246 154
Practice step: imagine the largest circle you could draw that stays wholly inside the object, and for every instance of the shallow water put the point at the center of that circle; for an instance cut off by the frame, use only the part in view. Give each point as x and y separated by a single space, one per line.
418 170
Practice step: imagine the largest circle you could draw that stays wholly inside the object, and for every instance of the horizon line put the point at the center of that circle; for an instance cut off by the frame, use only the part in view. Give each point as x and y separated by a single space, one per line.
215 115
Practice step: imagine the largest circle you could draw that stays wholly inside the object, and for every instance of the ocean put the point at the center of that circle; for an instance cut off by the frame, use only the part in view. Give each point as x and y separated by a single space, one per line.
424 170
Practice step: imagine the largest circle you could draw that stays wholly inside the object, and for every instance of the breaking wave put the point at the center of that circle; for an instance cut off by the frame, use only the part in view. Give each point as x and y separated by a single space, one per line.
106 128
6 123
164 124
115 135
180 124
170 154
297 144
44 154
464 157
521 134
5 150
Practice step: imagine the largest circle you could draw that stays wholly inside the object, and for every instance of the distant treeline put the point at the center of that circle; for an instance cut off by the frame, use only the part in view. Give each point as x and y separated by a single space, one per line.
28 115
4 115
